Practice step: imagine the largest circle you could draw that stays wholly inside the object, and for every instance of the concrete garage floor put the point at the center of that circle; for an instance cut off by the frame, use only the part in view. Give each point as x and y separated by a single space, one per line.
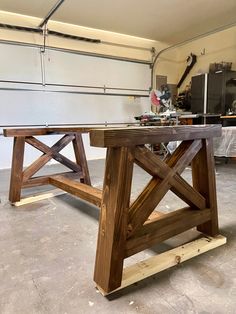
47 253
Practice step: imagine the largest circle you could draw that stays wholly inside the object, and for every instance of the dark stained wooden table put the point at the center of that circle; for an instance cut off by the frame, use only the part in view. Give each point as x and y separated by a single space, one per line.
127 228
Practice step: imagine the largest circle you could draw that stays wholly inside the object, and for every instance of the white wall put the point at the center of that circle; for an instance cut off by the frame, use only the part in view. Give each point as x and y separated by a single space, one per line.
40 107
118 39
214 48
72 108
43 106
168 65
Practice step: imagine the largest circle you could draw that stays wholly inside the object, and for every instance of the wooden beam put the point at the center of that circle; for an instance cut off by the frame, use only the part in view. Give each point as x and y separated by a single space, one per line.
154 216
166 227
118 137
84 191
113 218
36 181
150 162
49 153
81 158
187 193
59 145
44 180
44 131
157 188
16 169
203 172
166 260
157 167
183 155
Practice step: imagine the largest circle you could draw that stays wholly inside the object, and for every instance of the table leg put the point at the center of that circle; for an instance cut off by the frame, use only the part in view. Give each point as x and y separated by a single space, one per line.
17 169
114 218
203 170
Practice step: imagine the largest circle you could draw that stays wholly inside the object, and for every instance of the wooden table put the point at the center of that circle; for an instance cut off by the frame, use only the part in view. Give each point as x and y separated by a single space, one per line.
127 228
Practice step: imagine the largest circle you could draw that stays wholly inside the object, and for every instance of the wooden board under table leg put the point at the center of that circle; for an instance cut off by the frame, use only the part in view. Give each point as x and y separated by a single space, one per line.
113 218
17 169
168 259
203 172
38 197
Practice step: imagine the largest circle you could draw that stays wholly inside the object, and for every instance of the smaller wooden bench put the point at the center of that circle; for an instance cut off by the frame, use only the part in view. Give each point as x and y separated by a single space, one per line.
25 178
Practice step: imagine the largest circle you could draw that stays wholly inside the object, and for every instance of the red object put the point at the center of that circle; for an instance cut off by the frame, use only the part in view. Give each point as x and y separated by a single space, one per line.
154 99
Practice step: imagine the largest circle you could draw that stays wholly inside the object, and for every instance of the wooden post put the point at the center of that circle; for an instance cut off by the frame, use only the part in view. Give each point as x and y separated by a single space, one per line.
113 218
81 158
17 169
203 172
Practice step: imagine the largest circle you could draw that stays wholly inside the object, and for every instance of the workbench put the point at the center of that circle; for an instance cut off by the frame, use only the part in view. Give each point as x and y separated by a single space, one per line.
125 227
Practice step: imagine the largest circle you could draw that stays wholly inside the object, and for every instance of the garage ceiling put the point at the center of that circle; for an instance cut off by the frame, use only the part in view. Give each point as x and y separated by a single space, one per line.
165 20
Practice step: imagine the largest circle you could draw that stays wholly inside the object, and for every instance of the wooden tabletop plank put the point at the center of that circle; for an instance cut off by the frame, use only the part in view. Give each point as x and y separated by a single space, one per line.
43 131
114 137
47 130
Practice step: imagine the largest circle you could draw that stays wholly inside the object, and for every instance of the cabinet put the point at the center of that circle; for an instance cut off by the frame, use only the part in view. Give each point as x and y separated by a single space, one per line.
213 93
198 93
